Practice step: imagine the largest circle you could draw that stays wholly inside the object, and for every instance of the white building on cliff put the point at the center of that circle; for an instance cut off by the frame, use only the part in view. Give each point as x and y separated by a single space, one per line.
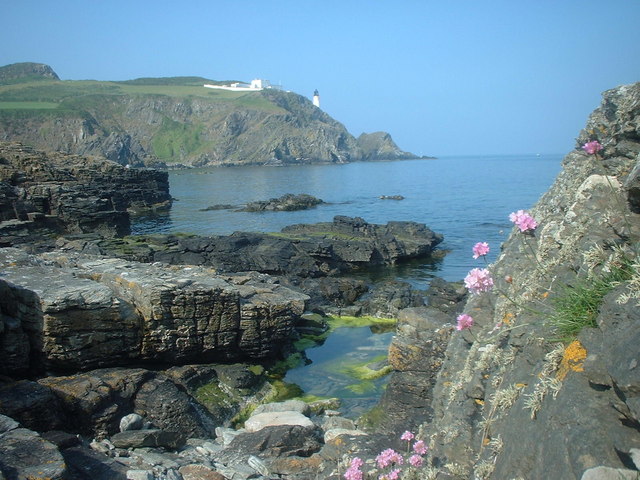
256 85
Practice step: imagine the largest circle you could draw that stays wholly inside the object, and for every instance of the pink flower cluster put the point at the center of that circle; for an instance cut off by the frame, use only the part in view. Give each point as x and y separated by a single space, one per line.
389 458
592 147
354 472
480 249
478 280
523 220
464 322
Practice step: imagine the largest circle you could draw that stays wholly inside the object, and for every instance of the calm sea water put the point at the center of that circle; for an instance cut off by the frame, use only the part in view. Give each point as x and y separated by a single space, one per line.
467 199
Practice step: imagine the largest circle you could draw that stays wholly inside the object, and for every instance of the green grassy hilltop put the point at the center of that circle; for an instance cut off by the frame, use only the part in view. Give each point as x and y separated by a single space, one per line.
175 120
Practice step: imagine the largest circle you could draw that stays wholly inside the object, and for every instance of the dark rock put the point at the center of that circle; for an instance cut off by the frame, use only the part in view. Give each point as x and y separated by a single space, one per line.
315 250
84 463
217 207
148 438
237 376
386 299
166 406
449 297
34 405
286 203
55 193
96 402
632 185
61 439
415 354
24 455
280 441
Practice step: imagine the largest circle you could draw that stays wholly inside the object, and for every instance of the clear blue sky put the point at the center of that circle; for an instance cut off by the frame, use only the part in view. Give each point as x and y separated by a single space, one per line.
443 78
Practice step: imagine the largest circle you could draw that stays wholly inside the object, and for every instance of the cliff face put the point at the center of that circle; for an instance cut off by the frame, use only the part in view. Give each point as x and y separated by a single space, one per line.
509 399
178 121
71 194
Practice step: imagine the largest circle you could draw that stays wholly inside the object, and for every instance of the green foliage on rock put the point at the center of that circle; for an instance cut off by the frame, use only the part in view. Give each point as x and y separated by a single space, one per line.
578 305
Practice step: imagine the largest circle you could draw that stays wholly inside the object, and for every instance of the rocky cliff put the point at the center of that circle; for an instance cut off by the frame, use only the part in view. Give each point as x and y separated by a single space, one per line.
57 193
545 383
177 121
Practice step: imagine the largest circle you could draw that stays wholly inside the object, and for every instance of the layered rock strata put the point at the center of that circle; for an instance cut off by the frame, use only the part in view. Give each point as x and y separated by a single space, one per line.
56 193
65 312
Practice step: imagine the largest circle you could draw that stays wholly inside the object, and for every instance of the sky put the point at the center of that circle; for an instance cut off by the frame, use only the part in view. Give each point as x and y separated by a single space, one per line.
442 77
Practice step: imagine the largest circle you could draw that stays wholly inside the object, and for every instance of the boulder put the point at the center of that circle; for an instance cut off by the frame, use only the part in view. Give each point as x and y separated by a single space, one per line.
269 419
24 454
152 437
133 421
279 441
96 402
34 405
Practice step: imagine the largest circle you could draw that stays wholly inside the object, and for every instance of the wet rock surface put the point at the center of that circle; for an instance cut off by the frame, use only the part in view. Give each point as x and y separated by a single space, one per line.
286 203
309 251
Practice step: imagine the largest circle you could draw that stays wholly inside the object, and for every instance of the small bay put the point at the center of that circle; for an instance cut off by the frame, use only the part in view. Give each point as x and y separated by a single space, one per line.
467 199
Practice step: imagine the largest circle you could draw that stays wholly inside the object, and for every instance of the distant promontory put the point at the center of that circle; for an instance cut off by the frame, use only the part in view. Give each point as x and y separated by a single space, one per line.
176 122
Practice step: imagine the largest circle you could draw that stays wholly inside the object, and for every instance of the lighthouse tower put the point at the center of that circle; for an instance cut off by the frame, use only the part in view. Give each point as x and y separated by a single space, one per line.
316 99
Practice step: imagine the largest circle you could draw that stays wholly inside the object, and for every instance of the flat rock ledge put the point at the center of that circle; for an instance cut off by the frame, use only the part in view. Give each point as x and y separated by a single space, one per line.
76 312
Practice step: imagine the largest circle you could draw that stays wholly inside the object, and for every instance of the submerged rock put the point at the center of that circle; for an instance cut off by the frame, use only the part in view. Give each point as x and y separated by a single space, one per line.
286 203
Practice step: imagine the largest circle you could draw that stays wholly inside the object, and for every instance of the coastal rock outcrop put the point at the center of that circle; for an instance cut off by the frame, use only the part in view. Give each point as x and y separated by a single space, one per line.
75 312
51 193
313 250
286 203
519 392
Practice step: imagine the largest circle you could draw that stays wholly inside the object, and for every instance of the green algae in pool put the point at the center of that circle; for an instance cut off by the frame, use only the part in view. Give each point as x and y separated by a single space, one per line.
350 364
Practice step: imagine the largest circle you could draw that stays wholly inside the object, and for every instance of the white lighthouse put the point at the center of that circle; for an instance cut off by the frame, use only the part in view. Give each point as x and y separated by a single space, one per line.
316 99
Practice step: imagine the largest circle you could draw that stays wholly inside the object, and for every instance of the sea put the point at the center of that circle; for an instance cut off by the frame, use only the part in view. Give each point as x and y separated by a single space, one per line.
468 199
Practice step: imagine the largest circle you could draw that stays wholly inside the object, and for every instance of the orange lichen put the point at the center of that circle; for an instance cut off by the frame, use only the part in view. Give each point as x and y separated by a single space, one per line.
508 318
572 359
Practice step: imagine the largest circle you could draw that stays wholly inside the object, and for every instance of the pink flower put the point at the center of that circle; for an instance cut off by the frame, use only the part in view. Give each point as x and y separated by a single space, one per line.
394 474
478 280
353 472
415 460
523 220
480 249
388 457
419 447
464 322
408 436
592 147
